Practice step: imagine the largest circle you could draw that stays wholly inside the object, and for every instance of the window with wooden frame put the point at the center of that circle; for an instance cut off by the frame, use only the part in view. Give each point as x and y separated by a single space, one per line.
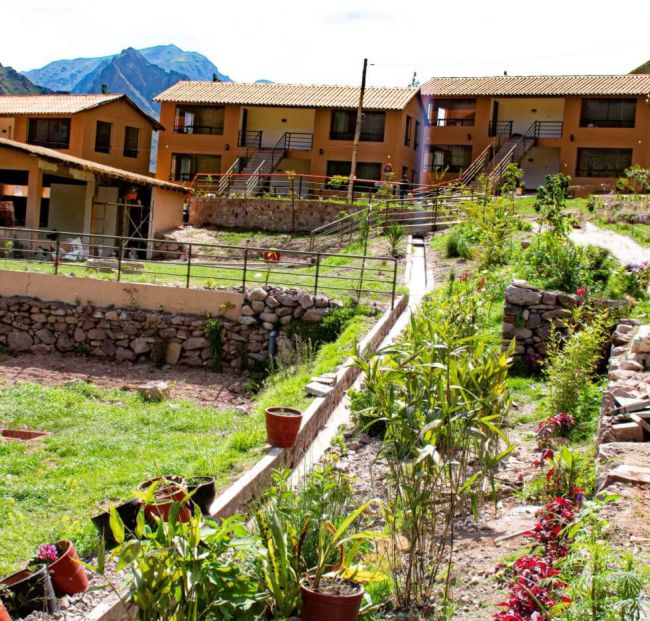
416 137
449 158
103 137
185 166
603 162
51 133
199 120
407 131
344 122
452 112
131 141
608 113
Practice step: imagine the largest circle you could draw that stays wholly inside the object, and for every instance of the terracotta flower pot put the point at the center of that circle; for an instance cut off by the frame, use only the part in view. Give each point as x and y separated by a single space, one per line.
4 615
68 575
282 426
31 591
171 490
128 513
203 492
318 606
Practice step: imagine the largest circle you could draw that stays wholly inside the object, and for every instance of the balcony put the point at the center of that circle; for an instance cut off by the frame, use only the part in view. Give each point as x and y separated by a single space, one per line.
464 121
210 130
249 140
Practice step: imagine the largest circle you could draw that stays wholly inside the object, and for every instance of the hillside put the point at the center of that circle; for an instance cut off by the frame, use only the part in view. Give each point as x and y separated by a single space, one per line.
14 83
644 68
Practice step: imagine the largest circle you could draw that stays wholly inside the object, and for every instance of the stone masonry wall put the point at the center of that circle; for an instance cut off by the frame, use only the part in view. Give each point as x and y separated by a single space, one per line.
263 214
134 335
529 314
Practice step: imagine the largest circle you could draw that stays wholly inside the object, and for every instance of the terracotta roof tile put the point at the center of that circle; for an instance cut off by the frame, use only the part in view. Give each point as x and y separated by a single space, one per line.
90 166
288 95
543 85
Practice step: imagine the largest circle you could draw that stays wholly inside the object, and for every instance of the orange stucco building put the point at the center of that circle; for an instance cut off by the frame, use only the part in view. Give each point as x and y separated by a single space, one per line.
588 127
212 127
108 129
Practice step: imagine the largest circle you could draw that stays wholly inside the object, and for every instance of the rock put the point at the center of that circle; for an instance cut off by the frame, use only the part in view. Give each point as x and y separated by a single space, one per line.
96 335
284 311
46 336
521 296
627 432
631 365
140 346
257 295
268 326
549 298
641 341
65 343
626 474
314 314
523 333
173 353
306 301
111 316
247 321
566 300
271 302
237 388
195 342
18 341
534 321
258 306
287 300
247 311
155 390
269 317
316 389
122 354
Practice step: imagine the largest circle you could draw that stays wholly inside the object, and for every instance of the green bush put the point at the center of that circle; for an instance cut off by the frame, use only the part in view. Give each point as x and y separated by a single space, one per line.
460 241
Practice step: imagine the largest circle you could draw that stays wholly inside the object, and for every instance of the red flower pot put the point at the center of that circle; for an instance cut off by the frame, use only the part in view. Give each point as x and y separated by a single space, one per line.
4 615
318 606
282 426
171 490
68 575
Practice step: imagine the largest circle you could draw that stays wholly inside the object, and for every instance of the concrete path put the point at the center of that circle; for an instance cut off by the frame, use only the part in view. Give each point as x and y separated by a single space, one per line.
625 250
418 284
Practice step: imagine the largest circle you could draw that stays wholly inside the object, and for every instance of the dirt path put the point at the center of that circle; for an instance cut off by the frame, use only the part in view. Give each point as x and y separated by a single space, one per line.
201 386
626 250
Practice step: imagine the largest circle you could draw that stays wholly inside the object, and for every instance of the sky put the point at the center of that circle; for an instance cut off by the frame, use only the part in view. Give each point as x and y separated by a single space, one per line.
325 42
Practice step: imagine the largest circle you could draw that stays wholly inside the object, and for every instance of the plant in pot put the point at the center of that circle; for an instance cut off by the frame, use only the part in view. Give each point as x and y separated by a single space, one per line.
160 494
202 492
67 574
30 590
329 591
282 426
128 513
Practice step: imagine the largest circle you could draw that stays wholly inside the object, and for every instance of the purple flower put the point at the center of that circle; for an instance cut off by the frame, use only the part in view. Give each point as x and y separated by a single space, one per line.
47 552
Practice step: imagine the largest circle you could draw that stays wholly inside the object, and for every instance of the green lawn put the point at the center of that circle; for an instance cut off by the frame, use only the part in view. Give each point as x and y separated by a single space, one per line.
104 442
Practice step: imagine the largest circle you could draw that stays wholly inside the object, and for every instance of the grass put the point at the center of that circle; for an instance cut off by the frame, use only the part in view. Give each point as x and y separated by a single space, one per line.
639 232
103 443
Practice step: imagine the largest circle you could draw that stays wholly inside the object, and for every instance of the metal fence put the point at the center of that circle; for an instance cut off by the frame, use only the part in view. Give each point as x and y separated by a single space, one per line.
197 265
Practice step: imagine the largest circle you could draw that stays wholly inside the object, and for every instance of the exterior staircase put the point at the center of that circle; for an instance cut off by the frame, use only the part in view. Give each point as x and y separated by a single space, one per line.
263 162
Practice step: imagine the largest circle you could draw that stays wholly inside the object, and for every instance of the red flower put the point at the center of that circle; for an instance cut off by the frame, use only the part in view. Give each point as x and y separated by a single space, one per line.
581 291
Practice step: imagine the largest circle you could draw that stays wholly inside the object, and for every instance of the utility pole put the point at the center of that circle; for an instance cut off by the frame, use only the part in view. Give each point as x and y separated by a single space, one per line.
357 132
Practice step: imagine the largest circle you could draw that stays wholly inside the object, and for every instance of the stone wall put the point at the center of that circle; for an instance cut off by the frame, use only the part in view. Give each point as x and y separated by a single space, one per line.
264 214
528 315
135 335
629 384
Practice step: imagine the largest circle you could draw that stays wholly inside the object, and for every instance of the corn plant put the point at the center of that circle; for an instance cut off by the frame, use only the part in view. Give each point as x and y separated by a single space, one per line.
442 397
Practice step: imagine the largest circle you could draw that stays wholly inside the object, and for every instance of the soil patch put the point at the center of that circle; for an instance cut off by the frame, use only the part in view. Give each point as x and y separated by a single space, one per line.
201 386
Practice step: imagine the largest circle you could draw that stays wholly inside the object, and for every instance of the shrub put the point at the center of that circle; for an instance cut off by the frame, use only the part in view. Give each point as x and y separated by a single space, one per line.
394 235
460 241
550 204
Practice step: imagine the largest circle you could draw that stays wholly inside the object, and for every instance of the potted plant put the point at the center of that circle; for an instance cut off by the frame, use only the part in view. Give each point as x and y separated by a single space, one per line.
520 189
31 590
160 494
202 492
67 574
128 513
282 426
329 592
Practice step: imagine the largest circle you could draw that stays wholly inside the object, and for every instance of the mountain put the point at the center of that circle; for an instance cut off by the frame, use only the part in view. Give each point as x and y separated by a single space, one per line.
131 73
14 83
140 74
644 68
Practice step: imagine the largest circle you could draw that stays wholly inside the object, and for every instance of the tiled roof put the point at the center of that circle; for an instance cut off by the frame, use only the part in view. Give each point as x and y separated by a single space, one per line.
18 105
288 95
541 86
90 166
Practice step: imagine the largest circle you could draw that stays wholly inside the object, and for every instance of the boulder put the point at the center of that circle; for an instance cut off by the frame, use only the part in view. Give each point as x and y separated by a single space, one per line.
18 341
641 341
195 342
46 336
522 296
257 295
140 346
155 390
122 354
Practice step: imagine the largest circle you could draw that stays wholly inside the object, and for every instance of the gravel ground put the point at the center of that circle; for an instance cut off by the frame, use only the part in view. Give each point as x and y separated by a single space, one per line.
625 249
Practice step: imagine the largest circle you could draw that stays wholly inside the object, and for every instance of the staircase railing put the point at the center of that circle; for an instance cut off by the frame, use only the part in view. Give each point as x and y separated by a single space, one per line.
250 139
253 182
223 187
477 165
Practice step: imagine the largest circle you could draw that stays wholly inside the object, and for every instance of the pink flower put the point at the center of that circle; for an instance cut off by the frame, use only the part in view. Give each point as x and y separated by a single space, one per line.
581 291
47 552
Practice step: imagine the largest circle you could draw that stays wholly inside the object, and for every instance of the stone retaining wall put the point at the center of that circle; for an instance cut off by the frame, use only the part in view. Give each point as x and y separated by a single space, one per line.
264 214
135 335
528 316
629 384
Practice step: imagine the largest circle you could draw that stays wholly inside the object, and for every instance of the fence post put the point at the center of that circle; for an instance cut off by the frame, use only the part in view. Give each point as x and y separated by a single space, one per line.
245 267
56 254
189 266
317 273
120 257
392 296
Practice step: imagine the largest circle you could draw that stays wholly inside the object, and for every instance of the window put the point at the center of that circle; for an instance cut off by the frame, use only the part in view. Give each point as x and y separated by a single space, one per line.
450 158
407 131
452 112
365 171
344 123
131 141
603 162
199 120
103 137
186 166
52 133
608 113
416 138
